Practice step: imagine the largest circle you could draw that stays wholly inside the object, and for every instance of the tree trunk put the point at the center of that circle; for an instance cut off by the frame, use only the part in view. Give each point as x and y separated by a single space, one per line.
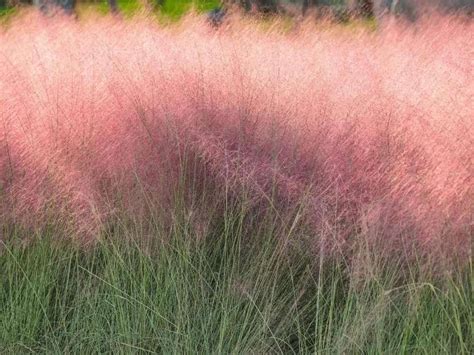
113 6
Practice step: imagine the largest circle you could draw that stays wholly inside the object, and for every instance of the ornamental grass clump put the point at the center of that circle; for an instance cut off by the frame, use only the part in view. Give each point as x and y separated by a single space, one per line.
365 136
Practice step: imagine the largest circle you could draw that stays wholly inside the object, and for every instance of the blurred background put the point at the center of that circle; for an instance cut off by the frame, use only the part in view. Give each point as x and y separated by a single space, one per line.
174 9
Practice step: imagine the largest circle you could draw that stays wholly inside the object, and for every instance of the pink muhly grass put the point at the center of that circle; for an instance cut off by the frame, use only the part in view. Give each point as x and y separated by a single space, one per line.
373 129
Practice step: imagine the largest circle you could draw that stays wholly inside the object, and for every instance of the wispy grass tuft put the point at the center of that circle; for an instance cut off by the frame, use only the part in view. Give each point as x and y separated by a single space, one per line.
245 190
224 292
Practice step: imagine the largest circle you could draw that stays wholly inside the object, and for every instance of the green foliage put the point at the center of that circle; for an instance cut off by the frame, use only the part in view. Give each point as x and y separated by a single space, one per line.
175 9
5 11
225 292
6 14
126 7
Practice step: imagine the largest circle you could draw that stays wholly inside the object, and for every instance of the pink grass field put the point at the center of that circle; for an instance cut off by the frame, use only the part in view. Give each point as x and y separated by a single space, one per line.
373 130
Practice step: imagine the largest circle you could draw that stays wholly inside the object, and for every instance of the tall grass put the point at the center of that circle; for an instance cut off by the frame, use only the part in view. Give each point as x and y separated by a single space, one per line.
224 292
182 189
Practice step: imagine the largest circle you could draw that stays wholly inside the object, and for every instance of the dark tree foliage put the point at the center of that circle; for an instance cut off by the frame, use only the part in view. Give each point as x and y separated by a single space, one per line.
263 6
266 6
46 6
216 16
365 7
